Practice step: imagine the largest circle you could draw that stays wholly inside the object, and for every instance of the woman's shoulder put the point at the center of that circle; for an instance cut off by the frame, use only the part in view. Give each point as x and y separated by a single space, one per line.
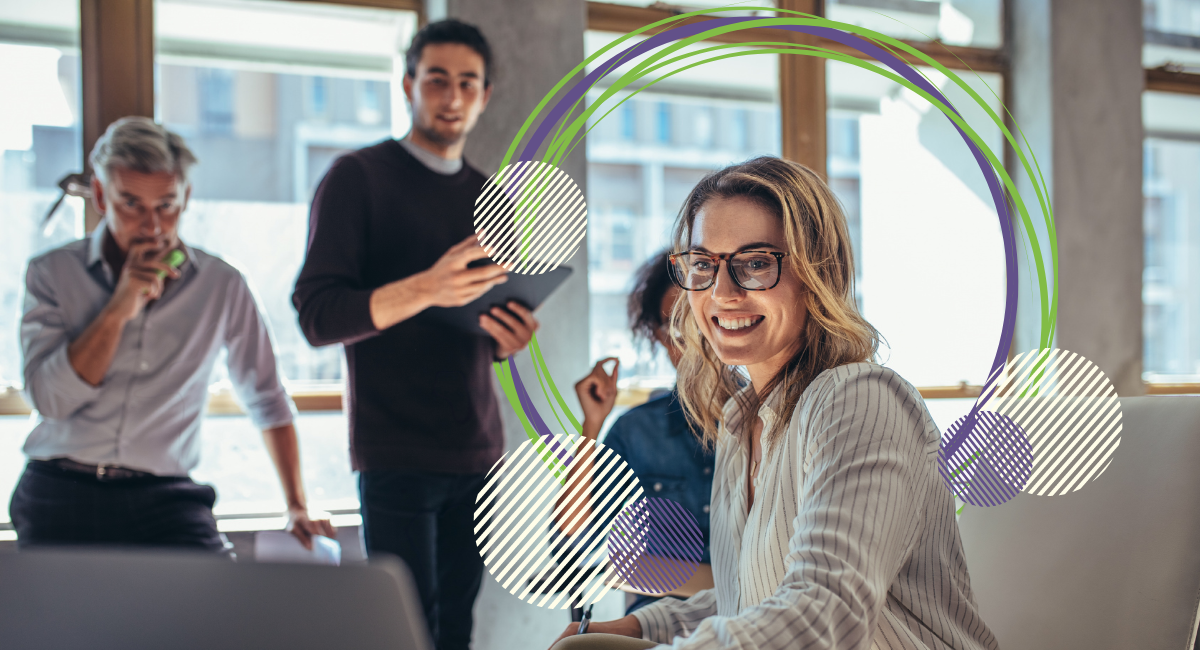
859 388
861 376
646 419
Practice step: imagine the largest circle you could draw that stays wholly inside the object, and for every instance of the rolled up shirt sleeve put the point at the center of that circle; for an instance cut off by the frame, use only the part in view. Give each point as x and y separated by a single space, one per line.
668 618
51 384
252 366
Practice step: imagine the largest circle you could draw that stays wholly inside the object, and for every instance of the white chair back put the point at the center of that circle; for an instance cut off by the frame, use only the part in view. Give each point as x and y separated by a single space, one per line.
1113 566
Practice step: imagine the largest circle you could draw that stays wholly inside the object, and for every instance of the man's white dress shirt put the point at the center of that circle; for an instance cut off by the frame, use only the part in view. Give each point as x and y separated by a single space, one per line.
146 413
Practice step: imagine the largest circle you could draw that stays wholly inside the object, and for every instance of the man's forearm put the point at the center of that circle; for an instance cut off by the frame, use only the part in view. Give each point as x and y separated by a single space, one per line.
398 301
92 353
285 453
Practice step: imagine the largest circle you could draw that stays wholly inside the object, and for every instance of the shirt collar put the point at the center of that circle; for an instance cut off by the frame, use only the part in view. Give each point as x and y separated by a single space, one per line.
768 410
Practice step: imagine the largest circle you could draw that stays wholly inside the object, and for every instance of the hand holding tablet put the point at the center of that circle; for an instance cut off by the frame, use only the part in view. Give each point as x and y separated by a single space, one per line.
529 291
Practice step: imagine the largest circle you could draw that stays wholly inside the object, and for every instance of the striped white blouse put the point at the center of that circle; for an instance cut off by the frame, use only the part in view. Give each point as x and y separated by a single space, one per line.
851 541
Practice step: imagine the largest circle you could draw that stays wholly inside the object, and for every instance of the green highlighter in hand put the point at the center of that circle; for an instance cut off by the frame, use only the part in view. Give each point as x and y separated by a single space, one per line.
173 260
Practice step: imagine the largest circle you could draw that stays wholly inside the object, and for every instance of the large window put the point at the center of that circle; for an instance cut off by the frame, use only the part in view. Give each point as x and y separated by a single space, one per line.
39 144
1171 196
266 107
267 95
1171 279
976 23
913 193
643 159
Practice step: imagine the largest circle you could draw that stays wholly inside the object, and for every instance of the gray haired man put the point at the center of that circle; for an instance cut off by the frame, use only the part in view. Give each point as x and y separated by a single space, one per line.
119 336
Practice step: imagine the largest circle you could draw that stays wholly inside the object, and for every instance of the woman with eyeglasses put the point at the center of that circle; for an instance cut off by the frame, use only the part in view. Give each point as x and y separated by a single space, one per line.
830 524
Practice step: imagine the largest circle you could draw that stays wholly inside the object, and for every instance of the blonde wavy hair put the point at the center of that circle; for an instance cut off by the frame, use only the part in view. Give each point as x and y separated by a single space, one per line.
820 255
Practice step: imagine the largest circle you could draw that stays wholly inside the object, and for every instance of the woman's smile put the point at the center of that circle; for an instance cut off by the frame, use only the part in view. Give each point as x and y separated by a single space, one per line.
737 323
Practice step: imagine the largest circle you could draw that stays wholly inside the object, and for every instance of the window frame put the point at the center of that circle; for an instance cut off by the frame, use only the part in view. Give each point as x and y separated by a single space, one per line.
1168 78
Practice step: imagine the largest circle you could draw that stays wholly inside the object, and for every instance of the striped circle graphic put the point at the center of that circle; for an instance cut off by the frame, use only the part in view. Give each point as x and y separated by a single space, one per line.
656 545
534 492
1068 410
530 217
992 463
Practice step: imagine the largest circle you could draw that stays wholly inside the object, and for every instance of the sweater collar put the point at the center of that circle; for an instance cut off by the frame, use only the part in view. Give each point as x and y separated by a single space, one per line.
432 161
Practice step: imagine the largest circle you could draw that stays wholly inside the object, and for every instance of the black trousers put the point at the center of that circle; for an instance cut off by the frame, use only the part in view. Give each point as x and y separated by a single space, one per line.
52 506
427 519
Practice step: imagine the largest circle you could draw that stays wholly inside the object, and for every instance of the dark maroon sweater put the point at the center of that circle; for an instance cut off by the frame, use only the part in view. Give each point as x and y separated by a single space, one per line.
419 394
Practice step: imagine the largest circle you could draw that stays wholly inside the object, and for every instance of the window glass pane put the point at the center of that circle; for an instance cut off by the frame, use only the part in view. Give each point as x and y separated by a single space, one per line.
695 5
267 95
1171 190
643 159
928 247
234 459
1172 34
976 23
40 143
1172 16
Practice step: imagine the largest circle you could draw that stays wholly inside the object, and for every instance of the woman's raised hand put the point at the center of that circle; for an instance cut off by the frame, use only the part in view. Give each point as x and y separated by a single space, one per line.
597 394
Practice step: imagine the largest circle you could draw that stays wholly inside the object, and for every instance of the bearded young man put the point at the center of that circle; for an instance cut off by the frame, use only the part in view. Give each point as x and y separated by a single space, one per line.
391 234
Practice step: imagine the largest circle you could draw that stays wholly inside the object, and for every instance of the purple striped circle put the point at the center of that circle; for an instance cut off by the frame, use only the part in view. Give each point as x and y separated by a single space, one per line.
655 545
991 464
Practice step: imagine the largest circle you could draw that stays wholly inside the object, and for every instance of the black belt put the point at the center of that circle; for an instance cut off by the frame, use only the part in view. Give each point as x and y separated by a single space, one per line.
101 472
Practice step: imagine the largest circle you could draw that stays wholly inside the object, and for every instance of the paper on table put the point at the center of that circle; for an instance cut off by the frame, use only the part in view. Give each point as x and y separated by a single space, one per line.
282 546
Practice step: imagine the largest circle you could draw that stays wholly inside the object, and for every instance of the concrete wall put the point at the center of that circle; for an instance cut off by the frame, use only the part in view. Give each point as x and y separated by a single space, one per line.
1077 93
535 43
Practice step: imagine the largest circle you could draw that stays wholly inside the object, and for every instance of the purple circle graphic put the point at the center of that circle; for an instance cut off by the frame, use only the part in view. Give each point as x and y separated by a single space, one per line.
991 463
655 545
574 93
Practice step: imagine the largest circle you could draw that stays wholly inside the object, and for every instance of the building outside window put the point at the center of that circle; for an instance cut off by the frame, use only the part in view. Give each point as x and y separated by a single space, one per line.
697 121
913 194
1171 198
1171 278
662 116
214 87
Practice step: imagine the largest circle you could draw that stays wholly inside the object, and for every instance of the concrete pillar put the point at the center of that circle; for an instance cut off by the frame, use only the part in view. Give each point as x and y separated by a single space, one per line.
535 43
1077 84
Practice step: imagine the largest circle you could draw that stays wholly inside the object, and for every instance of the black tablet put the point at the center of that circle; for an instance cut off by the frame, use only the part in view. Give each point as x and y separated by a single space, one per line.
528 290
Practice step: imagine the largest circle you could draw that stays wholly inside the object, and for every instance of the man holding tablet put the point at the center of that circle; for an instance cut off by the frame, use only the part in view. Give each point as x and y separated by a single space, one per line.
391 234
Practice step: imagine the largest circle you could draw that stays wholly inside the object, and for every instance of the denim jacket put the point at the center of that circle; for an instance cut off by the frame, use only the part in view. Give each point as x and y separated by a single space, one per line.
668 460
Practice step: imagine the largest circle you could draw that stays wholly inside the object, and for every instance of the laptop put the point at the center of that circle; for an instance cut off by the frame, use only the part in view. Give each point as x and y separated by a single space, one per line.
149 600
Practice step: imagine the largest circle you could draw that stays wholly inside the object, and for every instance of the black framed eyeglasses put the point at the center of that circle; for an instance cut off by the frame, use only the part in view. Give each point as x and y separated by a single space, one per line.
750 270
